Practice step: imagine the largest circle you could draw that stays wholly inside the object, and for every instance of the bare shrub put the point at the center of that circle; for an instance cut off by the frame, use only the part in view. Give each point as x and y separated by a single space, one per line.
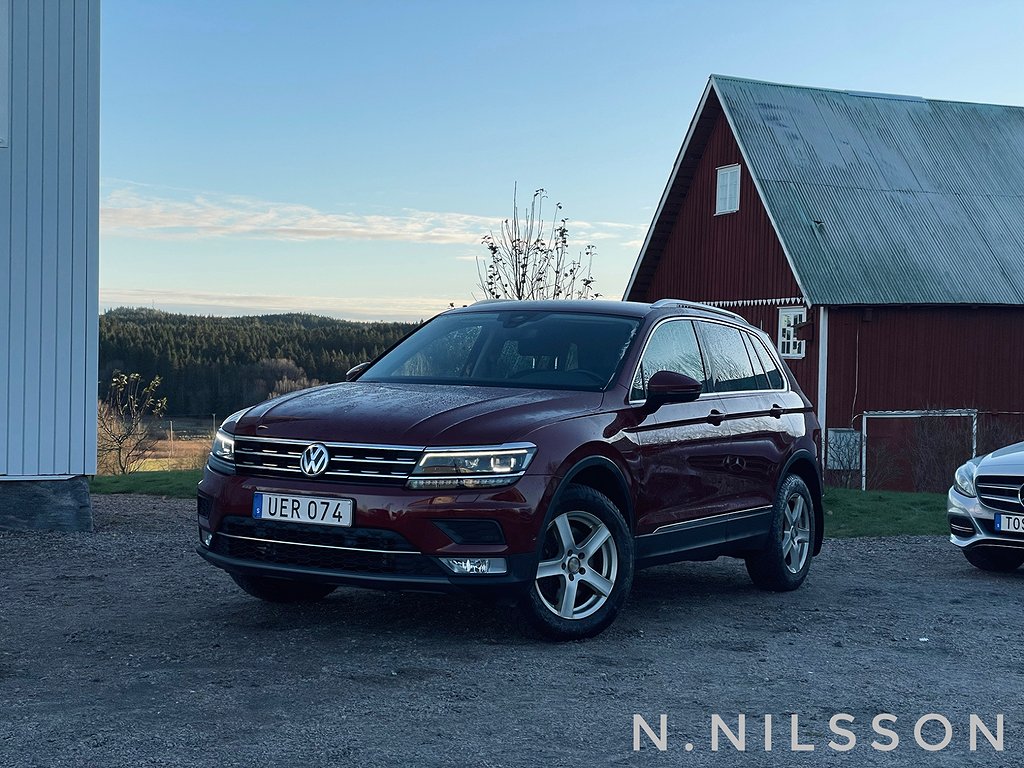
125 438
287 384
940 445
842 463
883 465
997 430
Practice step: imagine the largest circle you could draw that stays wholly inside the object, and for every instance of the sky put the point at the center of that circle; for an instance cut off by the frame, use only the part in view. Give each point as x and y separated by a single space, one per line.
346 158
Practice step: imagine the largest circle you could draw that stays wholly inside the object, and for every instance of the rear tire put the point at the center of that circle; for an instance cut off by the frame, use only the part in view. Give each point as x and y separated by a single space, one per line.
584 569
282 590
785 560
994 559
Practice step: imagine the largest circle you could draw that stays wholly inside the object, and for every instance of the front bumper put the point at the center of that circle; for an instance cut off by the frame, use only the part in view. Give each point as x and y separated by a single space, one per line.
972 524
395 541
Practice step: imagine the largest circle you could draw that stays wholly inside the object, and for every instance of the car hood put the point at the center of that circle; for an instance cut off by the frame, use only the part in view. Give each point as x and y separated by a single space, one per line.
1008 460
412 414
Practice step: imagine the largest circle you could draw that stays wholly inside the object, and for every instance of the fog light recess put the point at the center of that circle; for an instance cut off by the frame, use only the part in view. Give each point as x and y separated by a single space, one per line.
206 538
475 565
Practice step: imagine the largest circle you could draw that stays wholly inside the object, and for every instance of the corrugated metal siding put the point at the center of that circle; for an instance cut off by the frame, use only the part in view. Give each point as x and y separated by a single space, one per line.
49 214
717 258
911 358
888 200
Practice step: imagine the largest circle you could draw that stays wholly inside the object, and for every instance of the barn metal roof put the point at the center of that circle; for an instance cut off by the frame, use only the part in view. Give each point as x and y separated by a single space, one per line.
883 199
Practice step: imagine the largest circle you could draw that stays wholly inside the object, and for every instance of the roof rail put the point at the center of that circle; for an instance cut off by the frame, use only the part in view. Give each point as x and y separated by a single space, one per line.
695 305
489 301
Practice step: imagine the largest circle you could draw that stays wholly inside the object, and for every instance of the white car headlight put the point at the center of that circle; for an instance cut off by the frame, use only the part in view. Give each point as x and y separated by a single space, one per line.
223 446
485 467
963 479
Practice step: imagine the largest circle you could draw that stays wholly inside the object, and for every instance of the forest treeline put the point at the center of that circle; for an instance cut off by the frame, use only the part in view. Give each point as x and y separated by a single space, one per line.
216 365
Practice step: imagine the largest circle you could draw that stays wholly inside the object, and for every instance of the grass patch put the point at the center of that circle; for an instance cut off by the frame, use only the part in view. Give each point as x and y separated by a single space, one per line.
851 513
177 485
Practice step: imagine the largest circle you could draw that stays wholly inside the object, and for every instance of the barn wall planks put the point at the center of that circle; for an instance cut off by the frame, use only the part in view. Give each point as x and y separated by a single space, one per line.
49 229
906 358
726 257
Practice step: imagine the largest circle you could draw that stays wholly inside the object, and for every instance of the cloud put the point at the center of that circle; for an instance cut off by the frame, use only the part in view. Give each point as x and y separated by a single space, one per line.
130 209
352 308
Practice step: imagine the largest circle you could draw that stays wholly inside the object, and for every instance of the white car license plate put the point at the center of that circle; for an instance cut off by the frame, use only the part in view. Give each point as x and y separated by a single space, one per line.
302 509
1010 523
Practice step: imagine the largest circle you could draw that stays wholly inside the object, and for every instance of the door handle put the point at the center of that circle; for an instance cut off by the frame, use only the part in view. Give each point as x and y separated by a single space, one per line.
776 411
716 417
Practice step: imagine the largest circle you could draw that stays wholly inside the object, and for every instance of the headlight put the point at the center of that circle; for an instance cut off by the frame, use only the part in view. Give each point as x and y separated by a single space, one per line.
223 446
488 467
963 480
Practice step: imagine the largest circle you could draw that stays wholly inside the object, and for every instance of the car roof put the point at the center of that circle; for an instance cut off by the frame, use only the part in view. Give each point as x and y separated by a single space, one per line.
666 307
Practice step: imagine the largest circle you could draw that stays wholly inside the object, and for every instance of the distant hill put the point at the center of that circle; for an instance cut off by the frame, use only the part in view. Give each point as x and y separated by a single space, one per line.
220 364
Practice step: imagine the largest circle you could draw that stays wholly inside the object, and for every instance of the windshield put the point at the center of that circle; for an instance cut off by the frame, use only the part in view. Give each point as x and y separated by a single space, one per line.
529 349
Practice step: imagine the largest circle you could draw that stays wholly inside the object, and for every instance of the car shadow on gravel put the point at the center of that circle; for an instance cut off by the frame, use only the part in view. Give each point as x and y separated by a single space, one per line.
662 594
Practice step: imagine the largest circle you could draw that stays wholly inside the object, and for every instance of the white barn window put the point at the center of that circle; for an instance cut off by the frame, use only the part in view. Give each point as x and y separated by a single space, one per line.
789 345
727 192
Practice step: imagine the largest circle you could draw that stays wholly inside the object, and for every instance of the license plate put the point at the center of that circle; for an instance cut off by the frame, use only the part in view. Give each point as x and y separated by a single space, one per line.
1010 523
302 509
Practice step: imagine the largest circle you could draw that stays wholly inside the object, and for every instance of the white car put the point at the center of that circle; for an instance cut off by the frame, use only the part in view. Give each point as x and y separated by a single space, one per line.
986 509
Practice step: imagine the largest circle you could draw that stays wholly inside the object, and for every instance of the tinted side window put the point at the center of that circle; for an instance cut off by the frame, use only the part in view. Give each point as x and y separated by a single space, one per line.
728 361
776 380
760 379
673 347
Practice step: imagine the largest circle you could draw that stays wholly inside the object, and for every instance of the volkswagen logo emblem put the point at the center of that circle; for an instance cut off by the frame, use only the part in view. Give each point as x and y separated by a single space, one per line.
314 459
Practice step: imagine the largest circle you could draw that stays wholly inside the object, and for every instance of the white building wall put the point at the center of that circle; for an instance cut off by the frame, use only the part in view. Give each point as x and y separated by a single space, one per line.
49 228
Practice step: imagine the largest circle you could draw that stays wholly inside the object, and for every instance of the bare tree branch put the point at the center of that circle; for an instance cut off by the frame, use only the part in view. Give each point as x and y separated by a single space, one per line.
522 264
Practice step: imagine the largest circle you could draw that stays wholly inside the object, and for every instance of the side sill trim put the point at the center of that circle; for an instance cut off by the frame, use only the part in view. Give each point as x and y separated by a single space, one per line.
702 521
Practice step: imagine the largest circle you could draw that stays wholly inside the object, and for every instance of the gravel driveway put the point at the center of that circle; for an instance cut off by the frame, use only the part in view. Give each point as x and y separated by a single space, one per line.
123 647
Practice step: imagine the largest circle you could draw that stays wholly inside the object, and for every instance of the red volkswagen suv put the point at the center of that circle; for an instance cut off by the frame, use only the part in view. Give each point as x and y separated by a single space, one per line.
532 451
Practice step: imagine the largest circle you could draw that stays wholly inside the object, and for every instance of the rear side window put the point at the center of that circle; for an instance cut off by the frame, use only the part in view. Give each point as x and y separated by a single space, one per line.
673 347
775 378
730 369
760 378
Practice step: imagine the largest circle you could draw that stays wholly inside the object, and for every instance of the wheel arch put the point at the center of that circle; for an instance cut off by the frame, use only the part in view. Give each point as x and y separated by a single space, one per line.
603 475
804 465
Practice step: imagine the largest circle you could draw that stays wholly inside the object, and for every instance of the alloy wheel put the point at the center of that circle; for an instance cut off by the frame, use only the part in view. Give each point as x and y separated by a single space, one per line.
796 533
578 566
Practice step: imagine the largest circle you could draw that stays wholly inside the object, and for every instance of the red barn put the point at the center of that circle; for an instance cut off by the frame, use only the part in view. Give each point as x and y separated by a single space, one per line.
880 240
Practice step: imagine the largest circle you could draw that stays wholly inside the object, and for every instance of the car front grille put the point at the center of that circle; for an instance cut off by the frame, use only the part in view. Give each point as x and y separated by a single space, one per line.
373 551
353 462
1002 492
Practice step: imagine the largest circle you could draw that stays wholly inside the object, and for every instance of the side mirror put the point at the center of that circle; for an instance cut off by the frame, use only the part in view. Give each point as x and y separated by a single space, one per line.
670 387
353 373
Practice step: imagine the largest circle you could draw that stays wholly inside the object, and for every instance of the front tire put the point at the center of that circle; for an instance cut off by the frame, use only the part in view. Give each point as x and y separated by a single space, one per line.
785 560
585 568
995 560
282 590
